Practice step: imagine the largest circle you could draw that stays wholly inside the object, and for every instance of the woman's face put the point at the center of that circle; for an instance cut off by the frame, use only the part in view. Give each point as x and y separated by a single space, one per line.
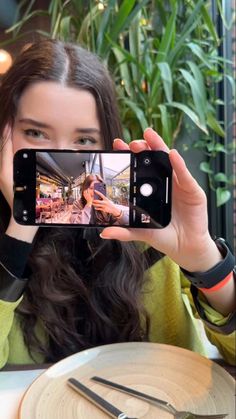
91 188
50 115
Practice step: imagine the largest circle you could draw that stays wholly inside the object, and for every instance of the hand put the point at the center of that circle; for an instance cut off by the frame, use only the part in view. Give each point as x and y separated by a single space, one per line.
87 197
6 166
105 205
186 239
25 233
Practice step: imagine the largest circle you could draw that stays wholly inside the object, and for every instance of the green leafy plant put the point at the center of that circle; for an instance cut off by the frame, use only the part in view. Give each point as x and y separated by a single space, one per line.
219 182
164 57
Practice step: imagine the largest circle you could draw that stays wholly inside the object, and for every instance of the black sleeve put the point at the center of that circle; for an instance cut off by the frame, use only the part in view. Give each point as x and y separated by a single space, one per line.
14 254
13 262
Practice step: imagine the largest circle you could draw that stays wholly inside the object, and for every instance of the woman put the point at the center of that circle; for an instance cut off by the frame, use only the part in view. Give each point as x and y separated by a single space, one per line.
63 290
98 209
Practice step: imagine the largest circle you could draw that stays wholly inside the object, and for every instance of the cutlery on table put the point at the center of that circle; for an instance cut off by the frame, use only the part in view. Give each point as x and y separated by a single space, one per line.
97 400
155 401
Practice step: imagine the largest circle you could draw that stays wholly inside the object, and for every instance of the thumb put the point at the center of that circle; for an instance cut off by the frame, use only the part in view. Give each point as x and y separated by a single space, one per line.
6 154
128 234
118 233
7 132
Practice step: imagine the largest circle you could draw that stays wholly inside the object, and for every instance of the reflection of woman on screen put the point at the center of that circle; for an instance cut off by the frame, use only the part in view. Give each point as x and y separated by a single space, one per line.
102 211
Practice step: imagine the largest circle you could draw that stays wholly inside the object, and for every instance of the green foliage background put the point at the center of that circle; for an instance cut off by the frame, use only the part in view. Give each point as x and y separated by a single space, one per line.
165 62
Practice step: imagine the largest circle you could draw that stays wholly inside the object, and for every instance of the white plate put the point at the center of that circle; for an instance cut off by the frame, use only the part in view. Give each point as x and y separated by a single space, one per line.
185 379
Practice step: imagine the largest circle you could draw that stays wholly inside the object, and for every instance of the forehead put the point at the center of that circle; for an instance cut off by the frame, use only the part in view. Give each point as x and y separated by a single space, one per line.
53 103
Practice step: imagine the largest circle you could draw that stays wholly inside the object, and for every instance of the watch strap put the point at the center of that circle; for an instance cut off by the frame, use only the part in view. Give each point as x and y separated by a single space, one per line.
216 274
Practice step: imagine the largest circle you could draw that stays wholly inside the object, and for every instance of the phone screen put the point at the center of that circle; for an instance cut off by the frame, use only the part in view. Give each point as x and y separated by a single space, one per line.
75 188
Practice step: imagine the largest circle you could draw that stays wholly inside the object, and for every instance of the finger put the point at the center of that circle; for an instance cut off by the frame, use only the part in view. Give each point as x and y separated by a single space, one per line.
154 140
99 194
5 138
118 233
184 177
139 145
126 234
119 144
6 152
97 202
6 134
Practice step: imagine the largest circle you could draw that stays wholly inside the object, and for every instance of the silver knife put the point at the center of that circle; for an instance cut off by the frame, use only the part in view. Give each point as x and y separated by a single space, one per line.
96 399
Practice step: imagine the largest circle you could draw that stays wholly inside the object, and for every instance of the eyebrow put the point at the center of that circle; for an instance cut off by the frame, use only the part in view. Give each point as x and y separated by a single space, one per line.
43 125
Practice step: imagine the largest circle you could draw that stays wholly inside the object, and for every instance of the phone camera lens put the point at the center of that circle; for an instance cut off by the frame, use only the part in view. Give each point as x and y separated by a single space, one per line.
25 156
25 218
147 161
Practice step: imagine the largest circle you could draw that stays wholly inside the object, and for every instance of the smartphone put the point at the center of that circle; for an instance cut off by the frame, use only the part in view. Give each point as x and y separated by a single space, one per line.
100 187
49 185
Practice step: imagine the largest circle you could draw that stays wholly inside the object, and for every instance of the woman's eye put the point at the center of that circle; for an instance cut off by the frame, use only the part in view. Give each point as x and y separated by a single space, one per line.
34 133
86 141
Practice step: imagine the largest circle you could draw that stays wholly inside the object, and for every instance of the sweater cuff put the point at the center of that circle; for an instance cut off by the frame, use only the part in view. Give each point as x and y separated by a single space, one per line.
14 254
11 287
220 324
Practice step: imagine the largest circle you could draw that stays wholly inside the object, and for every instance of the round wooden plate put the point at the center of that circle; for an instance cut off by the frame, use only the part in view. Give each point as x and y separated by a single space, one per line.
185 379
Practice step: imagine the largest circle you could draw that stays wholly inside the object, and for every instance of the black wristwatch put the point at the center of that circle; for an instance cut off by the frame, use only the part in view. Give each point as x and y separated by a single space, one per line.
216 274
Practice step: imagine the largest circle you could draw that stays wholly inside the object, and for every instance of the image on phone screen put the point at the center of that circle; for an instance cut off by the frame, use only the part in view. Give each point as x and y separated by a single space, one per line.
66 187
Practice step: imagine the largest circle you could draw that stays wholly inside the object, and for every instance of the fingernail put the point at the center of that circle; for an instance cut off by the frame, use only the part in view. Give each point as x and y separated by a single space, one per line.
148 128
103 237
139 141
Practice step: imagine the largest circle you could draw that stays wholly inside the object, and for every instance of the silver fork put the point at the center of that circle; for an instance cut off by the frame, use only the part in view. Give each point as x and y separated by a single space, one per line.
155 401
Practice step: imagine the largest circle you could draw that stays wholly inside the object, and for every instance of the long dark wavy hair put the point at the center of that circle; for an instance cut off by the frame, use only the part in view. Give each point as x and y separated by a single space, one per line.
85 291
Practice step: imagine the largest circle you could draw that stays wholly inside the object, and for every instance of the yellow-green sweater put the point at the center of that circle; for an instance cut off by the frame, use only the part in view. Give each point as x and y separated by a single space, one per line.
169 302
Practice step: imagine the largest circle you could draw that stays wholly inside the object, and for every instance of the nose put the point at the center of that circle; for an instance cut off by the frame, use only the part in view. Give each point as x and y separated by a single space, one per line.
63 144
